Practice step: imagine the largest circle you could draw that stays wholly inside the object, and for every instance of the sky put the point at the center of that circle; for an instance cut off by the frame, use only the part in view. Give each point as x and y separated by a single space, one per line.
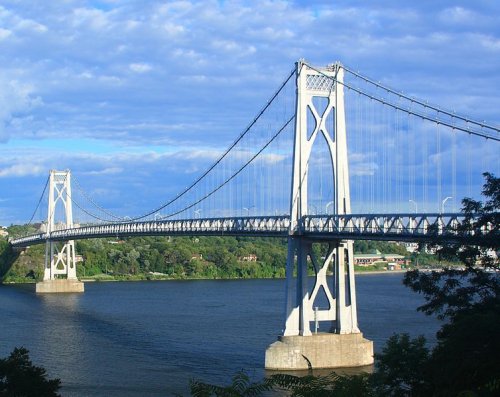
137 97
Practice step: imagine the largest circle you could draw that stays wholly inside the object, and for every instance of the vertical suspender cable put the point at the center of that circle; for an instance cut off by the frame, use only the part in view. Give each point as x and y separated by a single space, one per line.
439 160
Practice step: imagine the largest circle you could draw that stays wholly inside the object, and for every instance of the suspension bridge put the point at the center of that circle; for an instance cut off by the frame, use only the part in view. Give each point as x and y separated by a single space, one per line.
332 157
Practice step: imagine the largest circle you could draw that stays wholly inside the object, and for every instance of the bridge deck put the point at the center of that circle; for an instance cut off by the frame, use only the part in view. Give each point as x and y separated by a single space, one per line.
401 227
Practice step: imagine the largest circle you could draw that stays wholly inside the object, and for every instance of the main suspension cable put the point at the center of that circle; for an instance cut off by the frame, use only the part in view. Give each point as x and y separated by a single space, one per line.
92 201
238 139
421 102
418 114
39 200
234 175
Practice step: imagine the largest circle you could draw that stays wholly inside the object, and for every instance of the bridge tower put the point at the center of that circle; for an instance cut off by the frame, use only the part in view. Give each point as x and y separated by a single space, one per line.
343 345
60 265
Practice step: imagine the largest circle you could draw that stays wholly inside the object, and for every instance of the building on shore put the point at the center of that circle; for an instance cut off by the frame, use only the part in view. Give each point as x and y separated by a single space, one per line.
396 261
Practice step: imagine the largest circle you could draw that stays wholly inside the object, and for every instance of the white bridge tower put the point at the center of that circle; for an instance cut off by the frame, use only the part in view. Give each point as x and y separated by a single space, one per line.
343 345
60 265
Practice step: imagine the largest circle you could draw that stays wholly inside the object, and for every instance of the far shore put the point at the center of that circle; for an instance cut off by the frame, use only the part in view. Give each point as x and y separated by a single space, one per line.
145 278
380 272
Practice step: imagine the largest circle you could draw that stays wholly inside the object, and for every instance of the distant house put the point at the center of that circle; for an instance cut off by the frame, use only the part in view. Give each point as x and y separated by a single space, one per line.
249 258
411 247
393 266
371 259
198 257
367 259
3 232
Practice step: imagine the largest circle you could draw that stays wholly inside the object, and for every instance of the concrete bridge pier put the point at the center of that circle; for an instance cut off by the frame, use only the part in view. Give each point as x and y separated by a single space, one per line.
343 344
60 270
59 286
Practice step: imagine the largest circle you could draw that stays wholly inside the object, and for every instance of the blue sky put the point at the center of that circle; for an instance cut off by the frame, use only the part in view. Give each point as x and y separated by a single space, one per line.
134 96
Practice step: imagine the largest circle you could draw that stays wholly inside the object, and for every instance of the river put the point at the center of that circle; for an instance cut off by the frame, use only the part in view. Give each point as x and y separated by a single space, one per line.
150 338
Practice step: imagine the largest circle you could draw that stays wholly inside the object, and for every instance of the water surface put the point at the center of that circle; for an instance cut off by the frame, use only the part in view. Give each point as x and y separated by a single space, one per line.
150 338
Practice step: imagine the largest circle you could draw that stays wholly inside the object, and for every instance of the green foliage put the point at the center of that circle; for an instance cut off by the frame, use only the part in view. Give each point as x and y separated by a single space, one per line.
6 255
306 386
451 291
162 258
20 378
240 387
22 266
400 366
323 386
169 258
21 230
466 356
465 359
371 247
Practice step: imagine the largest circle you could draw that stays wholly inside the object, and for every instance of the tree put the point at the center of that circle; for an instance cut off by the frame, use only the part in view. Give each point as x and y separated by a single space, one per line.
20 378
240 387
476 244
466 356
331 385
400 367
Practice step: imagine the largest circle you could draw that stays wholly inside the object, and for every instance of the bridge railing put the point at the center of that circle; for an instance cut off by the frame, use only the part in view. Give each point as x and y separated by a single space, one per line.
403 227
263 226
408 226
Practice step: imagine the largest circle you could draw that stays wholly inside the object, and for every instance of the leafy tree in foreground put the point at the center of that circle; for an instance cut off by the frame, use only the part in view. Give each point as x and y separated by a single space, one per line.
400 366
240 387
466 355
20 378
295 386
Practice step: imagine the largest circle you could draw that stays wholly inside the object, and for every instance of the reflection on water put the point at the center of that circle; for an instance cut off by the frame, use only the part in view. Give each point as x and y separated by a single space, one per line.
324 371
150 338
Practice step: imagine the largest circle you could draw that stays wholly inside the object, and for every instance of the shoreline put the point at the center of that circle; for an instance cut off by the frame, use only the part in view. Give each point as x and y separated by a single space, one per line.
357 273
106 279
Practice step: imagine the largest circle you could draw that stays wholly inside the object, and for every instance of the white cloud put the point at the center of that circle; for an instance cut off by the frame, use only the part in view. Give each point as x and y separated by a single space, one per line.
173 29
21 170
4 33
458 15
175 82
488 42
27 24
15 98
140 67
106 171
93 18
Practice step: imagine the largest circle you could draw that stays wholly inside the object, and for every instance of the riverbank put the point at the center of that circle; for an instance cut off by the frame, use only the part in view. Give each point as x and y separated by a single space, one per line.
158 277
357 273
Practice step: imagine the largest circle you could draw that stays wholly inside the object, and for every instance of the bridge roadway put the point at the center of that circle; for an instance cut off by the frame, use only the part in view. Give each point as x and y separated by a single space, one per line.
397 227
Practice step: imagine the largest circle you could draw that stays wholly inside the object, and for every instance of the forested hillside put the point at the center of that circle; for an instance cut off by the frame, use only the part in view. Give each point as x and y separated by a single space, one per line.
168 257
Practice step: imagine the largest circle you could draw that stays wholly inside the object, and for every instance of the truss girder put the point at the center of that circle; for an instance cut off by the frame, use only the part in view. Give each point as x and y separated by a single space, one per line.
407 227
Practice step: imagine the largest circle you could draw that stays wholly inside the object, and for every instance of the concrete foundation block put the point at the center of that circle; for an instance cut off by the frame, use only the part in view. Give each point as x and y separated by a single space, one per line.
59 286
322 350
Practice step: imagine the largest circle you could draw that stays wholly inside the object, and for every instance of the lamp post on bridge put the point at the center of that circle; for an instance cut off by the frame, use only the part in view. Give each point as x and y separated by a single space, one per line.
327 205
443 203
415 203
197 213
248 209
